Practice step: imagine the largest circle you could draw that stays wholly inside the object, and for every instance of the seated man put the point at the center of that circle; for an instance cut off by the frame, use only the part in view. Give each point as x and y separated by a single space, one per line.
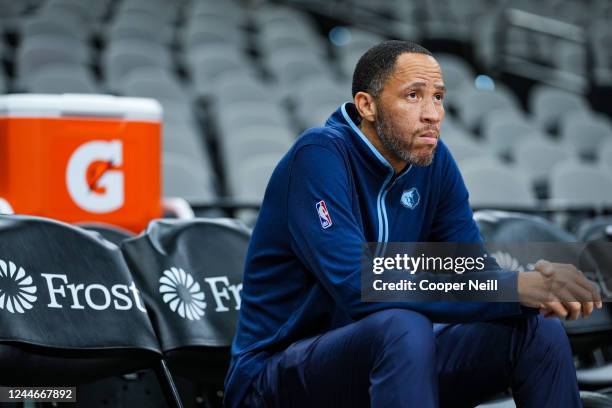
305 338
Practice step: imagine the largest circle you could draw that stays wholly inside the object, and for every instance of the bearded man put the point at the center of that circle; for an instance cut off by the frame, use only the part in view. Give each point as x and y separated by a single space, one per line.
378 172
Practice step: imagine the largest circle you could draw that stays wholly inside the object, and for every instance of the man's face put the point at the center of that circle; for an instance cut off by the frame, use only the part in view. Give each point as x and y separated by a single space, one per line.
409 109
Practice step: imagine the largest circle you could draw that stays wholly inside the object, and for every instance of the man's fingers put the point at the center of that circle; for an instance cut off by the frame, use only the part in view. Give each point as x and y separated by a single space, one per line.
544 267
587 309
574 309
591 287
557 309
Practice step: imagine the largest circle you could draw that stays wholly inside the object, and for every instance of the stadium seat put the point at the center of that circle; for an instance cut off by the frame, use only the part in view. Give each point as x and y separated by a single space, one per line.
235 118
475 104
497 185
36 56
120 60
604 155
183 177
548 105
456 72
291 66
584 133
60 78
537 157
594 229
580 184
43 26
190 273
155 82
111 233
240 86
464 148
503 131
83 286
217 33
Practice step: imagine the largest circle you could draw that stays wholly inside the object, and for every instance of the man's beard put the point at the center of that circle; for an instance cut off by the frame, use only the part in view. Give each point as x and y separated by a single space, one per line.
394 144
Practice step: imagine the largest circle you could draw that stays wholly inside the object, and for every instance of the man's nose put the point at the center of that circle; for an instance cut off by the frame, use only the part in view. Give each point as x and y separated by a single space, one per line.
430 113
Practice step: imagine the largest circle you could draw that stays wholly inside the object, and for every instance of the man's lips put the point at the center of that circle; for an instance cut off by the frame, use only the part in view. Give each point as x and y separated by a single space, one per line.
429 137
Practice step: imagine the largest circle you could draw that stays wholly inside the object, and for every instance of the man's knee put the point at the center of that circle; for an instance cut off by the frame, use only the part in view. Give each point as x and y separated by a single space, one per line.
548 338
400 331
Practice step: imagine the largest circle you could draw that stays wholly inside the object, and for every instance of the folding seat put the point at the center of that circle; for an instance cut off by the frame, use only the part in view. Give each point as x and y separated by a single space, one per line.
254 175
595 229
206 69
215 33
208 6
155 82
538 156
240 86
46 52
584 132
140 28
464 148
271 14
239 150
235 118
166 11
580 184
497 185
548 105
120 60
292 66
185 178
185 139
317 115
71 311
604 155
57 79
476 104
295 40
509 131
360 42
190 274
111 233
53 27
455 70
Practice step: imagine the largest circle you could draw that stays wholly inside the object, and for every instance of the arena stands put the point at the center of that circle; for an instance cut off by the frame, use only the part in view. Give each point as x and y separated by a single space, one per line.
528 105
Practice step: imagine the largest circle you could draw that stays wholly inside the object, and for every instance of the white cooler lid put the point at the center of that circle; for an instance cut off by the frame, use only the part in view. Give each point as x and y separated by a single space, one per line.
80 105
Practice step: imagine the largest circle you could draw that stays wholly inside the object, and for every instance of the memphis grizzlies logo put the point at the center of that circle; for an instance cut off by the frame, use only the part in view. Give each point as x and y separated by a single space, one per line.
410 198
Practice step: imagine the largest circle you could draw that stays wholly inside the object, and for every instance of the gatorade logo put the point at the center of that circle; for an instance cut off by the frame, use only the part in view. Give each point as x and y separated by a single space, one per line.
94 178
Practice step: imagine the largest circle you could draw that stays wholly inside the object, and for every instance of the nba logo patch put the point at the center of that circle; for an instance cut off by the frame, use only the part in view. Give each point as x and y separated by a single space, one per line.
324 217
410 198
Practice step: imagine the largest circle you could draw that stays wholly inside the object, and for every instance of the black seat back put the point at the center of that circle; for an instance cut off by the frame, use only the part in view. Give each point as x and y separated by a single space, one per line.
69 309
501 228
191 276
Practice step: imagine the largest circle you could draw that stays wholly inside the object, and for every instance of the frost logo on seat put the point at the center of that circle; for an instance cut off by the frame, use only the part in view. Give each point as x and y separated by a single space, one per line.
182 293
93 177
507 261
17 291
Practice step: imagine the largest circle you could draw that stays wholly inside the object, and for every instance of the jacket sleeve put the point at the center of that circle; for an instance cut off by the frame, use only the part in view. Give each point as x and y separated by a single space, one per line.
330 244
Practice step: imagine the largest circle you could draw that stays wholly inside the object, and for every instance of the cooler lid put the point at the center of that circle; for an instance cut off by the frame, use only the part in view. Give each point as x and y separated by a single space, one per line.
80 105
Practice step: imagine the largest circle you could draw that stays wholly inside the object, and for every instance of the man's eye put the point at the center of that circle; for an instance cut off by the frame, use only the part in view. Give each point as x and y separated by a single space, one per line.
439 97
412 95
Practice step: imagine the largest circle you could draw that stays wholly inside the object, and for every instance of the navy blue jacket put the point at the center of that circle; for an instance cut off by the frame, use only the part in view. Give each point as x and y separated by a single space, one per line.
302 273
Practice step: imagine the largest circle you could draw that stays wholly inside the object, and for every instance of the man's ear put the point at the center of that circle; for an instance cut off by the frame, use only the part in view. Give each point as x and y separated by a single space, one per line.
366 106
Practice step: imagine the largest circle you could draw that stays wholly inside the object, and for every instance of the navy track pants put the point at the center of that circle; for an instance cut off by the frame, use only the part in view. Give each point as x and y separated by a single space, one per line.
395 358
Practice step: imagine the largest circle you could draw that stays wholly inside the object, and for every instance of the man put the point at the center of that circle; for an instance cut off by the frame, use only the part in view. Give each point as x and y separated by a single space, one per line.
304 337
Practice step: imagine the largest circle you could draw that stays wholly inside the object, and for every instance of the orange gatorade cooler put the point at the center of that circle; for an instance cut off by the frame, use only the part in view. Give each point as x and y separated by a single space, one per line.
81 158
